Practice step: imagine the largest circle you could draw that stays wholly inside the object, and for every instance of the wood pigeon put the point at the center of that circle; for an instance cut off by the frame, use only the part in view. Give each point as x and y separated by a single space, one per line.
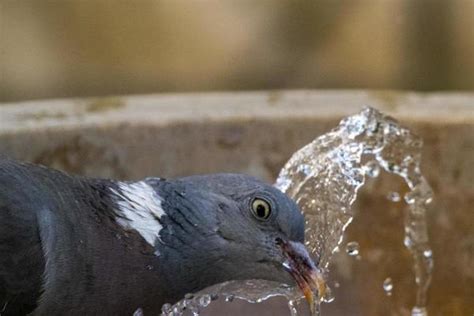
71 245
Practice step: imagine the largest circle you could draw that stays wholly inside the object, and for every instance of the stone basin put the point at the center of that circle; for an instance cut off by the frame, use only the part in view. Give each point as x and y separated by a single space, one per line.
173 135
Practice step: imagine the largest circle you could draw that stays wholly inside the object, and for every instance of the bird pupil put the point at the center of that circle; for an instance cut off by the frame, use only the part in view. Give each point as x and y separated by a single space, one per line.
261 210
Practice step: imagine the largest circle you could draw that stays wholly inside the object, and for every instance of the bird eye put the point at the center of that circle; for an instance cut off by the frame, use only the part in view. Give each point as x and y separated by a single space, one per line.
261 209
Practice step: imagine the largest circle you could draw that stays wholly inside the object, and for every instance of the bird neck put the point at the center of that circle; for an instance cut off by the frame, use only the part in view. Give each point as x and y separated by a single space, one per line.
139 208
158 221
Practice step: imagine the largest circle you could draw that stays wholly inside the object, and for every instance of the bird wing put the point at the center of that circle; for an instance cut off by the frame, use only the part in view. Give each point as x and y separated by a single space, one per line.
21 254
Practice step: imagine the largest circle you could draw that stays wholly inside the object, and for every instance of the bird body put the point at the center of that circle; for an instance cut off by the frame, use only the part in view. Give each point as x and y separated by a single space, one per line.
71 245
61 251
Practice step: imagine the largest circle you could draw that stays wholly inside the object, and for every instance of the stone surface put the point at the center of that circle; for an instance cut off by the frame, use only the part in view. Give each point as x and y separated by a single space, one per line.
256 132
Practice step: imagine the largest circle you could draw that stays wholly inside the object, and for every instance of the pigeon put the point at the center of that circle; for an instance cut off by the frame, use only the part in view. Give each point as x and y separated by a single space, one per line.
72 245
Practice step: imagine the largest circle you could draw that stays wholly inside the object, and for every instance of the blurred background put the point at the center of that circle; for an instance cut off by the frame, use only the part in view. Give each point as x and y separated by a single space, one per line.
64 48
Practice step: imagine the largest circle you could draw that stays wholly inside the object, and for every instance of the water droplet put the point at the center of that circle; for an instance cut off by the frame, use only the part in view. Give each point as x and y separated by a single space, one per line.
157 253
193 309
229 298
428 253
410 197
372 169
407 242
292 308
388 286
138 312
149 267
337 284
205 300
394 196
419 311
352 248
177 310
189 296
329 296
188 303
166 308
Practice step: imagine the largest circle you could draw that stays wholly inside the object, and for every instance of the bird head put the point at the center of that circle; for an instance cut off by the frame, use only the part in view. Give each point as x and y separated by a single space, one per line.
222 227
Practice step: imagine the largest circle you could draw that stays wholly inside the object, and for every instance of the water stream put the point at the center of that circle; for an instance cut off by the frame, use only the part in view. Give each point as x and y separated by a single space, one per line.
324 178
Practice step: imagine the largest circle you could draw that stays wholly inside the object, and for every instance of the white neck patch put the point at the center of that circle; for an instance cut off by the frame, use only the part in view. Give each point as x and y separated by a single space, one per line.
139 206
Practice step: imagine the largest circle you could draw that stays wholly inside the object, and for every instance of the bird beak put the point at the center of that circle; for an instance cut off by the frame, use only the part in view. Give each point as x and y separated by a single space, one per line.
299 264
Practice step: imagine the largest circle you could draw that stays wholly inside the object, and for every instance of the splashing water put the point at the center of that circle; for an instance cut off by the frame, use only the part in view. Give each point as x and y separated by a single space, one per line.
334 170
252 291
323 178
